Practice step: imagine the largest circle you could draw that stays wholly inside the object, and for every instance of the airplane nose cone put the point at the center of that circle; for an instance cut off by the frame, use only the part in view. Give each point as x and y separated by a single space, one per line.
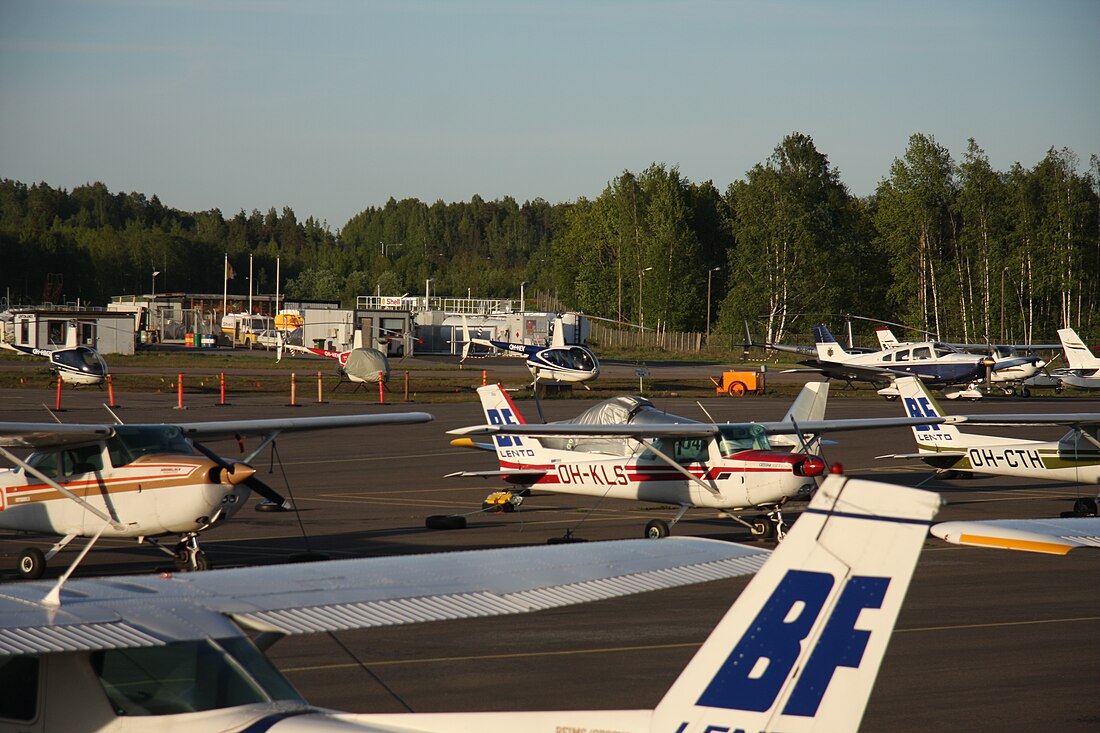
239 473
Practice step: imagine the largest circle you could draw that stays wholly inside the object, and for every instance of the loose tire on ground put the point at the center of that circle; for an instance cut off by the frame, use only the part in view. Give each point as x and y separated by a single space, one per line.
445 521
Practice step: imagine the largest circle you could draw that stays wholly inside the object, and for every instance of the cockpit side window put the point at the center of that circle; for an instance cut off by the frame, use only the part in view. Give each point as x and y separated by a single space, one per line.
19 681
684 450
85 459
46 461
184 677
922 352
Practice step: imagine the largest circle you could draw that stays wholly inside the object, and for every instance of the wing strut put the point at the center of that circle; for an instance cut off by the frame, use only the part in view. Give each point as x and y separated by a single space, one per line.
58 487
678 467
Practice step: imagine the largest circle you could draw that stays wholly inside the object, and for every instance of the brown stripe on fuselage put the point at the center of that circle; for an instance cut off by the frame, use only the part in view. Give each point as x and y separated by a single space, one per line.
99 485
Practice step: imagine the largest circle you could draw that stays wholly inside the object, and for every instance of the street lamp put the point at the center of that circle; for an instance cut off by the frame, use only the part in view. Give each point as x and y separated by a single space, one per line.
155 273
522 301
641 313
709 273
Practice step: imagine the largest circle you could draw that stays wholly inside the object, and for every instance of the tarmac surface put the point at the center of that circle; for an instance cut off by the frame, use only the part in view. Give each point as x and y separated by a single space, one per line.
987 640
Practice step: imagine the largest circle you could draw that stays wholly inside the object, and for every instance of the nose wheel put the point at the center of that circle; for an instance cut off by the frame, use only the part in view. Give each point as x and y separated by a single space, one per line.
768 526
189 557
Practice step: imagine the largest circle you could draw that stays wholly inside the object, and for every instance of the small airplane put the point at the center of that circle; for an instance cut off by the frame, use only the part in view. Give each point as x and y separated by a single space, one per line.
625 448
933 362
799 649
1011 368
359 366
558 362
76 365
1082 366
1074 458
139 481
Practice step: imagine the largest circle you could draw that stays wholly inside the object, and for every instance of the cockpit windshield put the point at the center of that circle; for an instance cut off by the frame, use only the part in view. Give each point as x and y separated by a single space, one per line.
81 359
189 676
132 441
736 438
570 358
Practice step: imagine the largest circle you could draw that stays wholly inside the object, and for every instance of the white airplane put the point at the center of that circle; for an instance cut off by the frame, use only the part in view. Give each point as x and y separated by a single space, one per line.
76 365
1011 368
1082 366
626 448
138 481
1074 458
558 362
933 362
798 650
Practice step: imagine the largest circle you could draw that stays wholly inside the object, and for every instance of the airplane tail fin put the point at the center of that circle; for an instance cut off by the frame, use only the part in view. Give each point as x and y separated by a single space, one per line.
1078 354
500 410
827 346
919 402
801 647
809 405
886 338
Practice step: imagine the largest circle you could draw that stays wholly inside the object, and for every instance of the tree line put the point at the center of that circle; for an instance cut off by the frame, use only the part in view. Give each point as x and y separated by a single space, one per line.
953 247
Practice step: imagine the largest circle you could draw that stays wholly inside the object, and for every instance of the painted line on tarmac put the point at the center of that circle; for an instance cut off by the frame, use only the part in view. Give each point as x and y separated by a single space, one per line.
637 648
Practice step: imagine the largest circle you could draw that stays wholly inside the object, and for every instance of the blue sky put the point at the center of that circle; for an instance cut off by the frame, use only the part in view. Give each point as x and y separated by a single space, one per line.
332 106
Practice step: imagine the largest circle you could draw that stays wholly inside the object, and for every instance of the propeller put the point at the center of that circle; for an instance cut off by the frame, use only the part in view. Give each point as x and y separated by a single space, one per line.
235 475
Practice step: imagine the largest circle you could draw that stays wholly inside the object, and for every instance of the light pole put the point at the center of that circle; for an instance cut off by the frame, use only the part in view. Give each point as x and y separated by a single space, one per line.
522 301
641 313
155 273
709 273
428 293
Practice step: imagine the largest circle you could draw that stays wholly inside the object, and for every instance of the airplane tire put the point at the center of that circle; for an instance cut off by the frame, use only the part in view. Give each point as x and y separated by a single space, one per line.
269 506
761 528
1024 392
892 397
445 521
32 563
1085 507
656 529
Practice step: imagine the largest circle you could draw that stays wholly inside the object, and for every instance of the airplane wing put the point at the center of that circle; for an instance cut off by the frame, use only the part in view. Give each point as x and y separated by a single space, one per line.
672 430
927 454
43 434
504 473
1052 536
230 428
694 430
1069 419
856 372
337 595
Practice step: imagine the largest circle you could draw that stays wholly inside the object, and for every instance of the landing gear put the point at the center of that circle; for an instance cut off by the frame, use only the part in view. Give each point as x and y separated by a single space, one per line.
32 563
656 529
767 526
1085 507
760 528
189 557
